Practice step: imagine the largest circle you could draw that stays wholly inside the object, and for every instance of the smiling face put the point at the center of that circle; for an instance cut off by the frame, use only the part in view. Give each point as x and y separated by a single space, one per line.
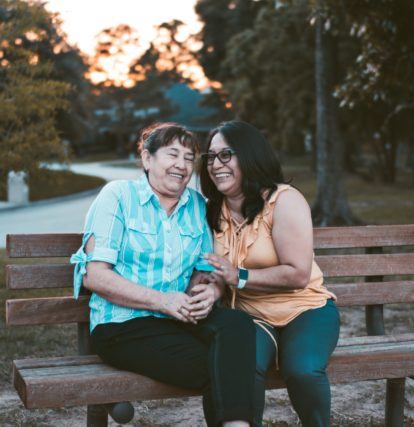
169 169
227 177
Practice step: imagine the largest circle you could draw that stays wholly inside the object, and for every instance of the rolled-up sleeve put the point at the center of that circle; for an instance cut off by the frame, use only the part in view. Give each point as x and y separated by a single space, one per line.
105 222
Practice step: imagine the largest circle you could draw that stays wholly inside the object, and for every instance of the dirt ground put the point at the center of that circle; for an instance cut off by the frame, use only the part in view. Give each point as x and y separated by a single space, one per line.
357 404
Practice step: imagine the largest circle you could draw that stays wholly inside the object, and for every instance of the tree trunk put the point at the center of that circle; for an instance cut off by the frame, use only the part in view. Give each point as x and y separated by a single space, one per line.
385 149
390 148
331 205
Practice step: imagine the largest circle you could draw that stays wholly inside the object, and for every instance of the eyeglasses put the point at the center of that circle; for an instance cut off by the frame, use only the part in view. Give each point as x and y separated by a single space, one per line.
224 156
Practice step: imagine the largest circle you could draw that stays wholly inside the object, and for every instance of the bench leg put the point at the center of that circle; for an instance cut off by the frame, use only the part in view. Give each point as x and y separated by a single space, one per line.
394 403
97 416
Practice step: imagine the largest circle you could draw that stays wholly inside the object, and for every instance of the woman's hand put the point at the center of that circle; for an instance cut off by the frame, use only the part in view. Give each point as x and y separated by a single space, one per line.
177 305
196 278
224 269
202 300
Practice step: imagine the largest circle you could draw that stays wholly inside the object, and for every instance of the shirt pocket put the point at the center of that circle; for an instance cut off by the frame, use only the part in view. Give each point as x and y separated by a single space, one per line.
191 240
142 236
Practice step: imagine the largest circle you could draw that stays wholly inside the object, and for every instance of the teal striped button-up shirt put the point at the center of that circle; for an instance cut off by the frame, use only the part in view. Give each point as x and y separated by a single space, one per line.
133 233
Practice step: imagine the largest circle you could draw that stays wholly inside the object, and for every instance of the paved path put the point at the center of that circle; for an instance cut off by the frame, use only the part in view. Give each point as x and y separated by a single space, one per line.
60 216
66 215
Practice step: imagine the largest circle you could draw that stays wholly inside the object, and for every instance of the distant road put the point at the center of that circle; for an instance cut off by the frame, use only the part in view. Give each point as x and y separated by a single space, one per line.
62 216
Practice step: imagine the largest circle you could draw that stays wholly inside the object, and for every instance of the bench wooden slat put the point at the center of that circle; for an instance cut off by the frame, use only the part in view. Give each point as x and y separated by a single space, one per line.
60 275
26 276
374 339
43 362
363 236
58 245
370 293
42 245
366 264
43 311
72 382
94 359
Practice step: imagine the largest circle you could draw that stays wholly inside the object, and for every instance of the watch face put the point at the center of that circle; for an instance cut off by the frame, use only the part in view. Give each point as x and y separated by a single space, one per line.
243 274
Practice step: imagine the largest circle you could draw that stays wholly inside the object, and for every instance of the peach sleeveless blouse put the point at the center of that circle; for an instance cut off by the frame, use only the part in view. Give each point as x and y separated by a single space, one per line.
251 246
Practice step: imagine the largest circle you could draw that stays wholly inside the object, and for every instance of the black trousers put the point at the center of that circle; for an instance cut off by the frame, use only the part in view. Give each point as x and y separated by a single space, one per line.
217 355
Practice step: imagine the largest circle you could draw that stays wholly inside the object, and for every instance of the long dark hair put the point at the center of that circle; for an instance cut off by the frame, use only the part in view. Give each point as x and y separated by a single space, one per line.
260 167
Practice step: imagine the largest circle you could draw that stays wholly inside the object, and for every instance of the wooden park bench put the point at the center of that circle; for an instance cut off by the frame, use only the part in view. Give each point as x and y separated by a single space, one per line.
377 269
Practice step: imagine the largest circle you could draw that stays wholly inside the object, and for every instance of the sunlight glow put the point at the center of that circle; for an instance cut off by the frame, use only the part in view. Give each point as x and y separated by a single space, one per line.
83 20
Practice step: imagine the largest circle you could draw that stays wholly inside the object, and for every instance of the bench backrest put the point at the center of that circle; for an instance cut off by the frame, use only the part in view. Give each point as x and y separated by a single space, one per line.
380 258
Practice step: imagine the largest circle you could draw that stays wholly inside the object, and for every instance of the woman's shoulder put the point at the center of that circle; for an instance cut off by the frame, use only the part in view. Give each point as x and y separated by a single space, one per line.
117 187
281 188
116 193
285 196
288 199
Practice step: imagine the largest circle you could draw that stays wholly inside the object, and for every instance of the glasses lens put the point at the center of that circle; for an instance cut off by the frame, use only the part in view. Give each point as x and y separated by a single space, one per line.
210 158
224 156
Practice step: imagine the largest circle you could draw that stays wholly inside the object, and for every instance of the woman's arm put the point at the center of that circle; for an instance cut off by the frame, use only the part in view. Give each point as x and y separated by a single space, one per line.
101 279
292 235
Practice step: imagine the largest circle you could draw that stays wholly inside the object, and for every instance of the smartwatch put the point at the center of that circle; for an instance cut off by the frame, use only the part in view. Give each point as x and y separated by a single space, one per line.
243 276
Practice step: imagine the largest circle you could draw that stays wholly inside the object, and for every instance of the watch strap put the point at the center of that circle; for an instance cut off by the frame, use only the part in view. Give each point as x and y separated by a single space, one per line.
243 275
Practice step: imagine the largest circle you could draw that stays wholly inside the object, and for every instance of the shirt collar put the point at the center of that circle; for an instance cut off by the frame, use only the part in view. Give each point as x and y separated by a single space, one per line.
145 192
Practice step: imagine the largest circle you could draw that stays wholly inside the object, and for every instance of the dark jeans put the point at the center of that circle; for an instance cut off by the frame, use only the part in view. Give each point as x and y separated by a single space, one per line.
304 345
217 355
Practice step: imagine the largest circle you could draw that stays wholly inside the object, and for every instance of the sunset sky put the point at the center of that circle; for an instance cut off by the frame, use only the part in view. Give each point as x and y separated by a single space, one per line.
84 19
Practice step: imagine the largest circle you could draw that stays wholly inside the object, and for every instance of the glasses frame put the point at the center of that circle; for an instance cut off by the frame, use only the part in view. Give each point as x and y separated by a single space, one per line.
211 157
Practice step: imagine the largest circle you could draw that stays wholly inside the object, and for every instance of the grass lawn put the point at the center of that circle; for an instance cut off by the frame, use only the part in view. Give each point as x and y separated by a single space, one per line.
52 183
373 203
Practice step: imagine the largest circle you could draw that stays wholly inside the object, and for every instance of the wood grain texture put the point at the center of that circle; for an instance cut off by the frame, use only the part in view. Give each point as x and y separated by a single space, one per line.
28 276
81 380
370 293
43 311
366 264
363 236
58 245
61 310
42 245
39 276
374 339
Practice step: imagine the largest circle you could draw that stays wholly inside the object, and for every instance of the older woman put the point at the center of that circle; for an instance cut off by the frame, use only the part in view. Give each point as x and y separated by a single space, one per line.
142 241
264 256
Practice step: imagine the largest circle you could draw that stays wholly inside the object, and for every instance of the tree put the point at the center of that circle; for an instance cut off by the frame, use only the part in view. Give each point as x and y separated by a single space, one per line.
76 123
115 51
152 81
29 95
331 206
174 56
136 96
268 69
379 82
269 75
222 20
